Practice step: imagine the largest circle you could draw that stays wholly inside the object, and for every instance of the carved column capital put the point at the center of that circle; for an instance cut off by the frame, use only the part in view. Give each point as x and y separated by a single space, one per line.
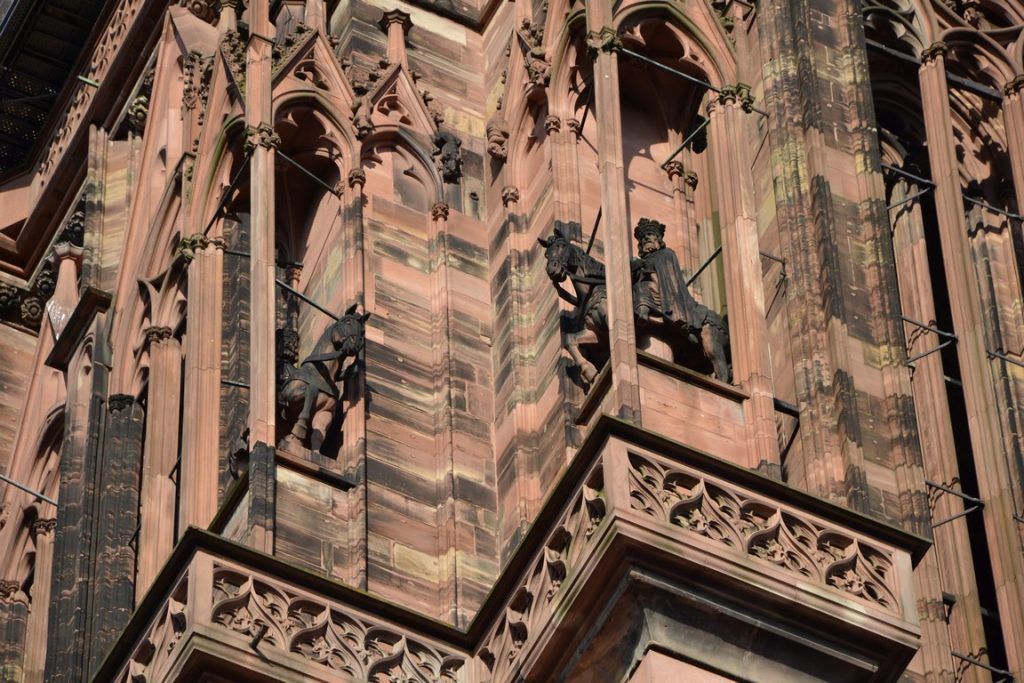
157 333
41 527
574 127
357 178
509 195
440 211
674 169
262 135
606 40
63 251
690 179
934 50
292 273
395 16
8 589
552 124
1015 86
118 402
732 96
191 245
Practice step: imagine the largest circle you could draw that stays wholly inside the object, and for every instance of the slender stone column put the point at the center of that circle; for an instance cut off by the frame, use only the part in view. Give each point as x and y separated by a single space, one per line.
682 214
354 445
261 141
13 629
396 24
603 43
744 289
112 588
979 393
228 20
943 568
156 531
1013 122
39 615
198 473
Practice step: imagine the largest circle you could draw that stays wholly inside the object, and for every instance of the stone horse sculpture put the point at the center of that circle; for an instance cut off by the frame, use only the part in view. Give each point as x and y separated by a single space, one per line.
311 391
566 260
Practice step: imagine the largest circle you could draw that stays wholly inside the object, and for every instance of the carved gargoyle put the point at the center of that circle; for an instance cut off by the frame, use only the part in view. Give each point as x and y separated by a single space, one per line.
311 392
497 141
448 155
666 310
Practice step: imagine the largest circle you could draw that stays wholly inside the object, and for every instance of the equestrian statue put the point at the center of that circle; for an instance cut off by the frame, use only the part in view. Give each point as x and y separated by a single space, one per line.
311 391
663 306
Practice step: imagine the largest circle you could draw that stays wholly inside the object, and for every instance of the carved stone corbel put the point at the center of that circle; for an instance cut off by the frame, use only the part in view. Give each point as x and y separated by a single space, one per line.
509 195
497 141
440 211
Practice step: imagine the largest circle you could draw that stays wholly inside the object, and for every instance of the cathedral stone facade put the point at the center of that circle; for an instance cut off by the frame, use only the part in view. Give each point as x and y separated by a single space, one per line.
540 340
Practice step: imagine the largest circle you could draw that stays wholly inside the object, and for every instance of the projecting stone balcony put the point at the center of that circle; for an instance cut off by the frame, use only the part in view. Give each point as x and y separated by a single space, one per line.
647 557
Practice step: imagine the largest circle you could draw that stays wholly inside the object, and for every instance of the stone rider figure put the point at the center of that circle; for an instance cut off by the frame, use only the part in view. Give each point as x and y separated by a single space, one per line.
659 288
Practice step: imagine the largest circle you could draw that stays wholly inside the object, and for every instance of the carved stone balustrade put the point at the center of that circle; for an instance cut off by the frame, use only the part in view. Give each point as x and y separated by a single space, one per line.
644 545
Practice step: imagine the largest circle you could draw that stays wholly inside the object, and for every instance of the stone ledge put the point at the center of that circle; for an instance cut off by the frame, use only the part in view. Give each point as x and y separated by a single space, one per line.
626 504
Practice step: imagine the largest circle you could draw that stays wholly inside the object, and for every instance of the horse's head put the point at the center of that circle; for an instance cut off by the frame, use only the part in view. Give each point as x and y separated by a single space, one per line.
560 255
350 331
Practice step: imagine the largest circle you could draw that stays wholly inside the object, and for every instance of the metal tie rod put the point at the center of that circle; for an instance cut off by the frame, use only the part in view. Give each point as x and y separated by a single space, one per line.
909 199
307 172
983 665
1000 356
946 489
26 489
704 266
985 205
305 298
692 79
689 138
930 352
927 327
963 83
907 174
227 193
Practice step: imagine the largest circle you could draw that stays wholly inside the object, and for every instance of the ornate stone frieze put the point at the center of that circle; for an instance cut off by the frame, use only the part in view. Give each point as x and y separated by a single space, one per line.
107 48
156 647
757 527
539 594
277 618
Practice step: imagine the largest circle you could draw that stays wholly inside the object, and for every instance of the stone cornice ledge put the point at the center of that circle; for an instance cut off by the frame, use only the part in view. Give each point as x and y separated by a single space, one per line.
630 499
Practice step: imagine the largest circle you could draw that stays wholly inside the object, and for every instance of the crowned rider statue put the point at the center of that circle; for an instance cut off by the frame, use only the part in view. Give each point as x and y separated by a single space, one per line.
660 288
